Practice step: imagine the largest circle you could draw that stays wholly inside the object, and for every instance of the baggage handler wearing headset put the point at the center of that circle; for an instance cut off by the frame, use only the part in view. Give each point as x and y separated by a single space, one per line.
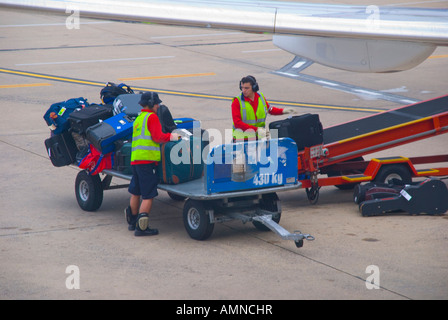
146 137
249 111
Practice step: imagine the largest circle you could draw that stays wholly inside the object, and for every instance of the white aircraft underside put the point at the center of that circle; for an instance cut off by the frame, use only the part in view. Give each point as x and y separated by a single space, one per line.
347 37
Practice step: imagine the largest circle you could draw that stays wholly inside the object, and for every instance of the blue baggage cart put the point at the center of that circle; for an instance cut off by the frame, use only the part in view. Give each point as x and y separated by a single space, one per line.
240 181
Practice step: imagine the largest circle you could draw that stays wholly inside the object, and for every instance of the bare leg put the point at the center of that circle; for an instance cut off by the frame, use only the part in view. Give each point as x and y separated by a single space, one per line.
135 204
145 206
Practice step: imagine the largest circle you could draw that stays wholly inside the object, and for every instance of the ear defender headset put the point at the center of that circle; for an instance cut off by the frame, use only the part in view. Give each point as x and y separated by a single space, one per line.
252 80
151 101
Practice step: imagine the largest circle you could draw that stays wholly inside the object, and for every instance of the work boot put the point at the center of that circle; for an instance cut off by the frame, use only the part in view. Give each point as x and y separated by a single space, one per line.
130 218
142 226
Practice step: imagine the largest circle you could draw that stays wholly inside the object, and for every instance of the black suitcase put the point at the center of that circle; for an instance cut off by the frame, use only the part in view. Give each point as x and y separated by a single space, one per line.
306 130
429 196
84 118
376 190
61 149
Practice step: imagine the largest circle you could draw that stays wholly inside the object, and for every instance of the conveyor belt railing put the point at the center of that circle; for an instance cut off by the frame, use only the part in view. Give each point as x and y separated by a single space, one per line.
385 130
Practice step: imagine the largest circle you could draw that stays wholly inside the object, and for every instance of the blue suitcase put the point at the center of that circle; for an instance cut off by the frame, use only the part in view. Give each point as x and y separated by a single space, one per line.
60 111
187 123
104 135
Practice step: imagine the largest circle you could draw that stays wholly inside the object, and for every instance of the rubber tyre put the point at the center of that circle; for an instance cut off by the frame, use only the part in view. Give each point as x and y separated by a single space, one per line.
89 191
196 220
394 171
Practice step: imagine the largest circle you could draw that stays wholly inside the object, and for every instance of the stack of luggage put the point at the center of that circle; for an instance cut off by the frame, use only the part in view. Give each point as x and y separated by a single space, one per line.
99 136
78 126
61 146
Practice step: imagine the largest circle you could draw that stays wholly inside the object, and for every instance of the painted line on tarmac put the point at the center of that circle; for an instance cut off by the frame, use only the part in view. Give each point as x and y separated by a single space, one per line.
293 70
198 35
64 24
92 61
170 76
25 85
349 88
181 93
439 56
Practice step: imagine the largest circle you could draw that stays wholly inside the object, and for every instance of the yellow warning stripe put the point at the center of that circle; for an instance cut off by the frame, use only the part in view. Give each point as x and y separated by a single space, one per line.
170 76
390 159
424 172
356 179
439 56
26 85
48 77
385 130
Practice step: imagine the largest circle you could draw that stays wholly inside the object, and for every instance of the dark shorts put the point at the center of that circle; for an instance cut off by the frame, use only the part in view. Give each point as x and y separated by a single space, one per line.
144 181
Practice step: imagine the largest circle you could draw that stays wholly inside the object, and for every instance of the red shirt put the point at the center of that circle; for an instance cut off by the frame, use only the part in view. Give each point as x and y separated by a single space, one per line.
236 112
157 134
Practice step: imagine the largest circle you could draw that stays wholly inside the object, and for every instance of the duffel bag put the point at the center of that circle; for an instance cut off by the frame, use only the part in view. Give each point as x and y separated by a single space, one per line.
57 115
111 91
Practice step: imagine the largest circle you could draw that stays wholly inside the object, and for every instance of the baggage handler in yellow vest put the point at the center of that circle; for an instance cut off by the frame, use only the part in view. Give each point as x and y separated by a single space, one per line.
249 111
146 137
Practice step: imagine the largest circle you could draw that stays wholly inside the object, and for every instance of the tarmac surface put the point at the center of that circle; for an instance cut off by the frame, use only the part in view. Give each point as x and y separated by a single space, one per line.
43 231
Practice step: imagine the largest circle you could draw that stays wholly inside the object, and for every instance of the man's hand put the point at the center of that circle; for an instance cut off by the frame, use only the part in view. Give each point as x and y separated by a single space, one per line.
290 111
174 137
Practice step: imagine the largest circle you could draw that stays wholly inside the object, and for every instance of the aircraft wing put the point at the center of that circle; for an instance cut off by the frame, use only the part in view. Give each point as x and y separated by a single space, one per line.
355 38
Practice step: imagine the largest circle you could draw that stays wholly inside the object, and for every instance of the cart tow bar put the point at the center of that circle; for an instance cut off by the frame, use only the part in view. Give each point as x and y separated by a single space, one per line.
297 236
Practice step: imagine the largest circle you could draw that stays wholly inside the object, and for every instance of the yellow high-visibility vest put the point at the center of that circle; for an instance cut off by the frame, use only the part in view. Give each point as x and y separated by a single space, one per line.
143 147
248 116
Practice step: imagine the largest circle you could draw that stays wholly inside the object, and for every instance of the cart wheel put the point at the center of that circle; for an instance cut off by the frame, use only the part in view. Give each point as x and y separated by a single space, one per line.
196 220
269 203
89 191
397 171
176 197
312 194
299 243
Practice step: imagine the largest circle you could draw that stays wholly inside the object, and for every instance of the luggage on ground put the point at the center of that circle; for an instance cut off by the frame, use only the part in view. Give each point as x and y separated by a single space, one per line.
107 133
84 118
61 149
429 196
306 130
375 190
57 115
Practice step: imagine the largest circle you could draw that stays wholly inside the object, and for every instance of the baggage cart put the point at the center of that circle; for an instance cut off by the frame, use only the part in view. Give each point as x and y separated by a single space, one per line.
240 182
